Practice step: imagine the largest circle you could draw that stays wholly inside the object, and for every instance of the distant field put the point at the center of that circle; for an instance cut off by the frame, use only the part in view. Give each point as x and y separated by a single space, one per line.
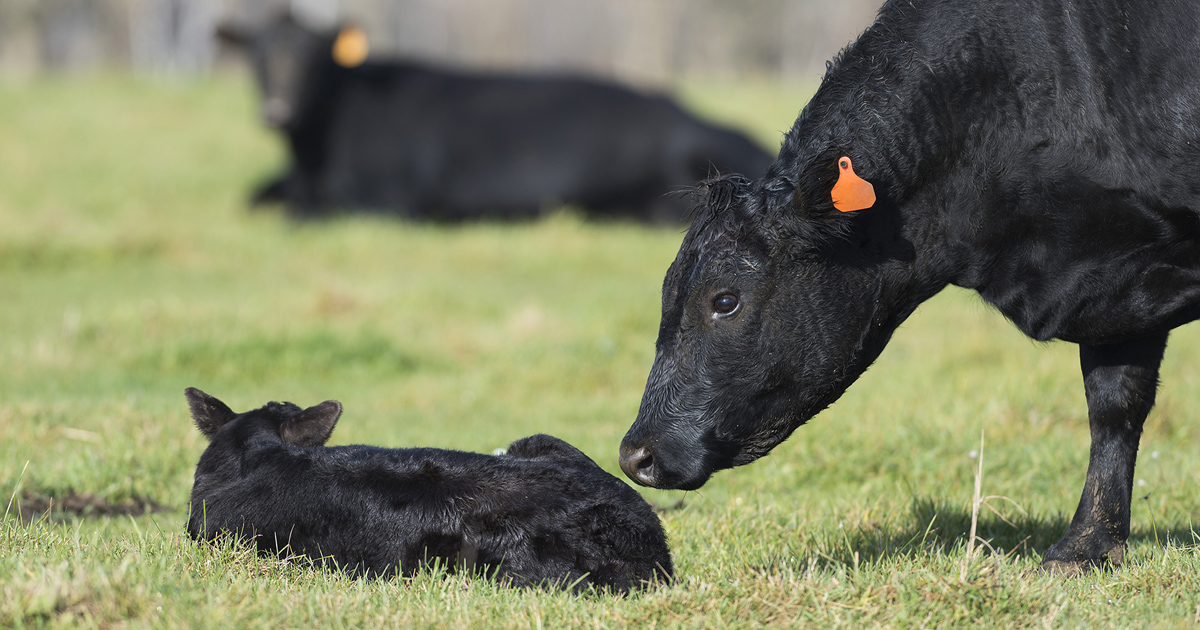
130 268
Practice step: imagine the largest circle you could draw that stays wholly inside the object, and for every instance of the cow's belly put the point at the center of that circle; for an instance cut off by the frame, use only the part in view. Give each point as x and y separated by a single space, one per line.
1095 256
1104 297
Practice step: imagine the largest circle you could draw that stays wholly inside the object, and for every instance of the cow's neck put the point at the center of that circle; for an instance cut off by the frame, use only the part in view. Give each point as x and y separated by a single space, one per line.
995 159
902 120
897 114
905 118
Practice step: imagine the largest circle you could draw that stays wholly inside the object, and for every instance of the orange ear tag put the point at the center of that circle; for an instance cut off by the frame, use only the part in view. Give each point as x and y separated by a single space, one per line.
350 47
851 192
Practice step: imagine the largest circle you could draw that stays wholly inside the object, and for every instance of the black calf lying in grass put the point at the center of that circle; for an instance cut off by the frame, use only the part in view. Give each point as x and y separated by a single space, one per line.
544 513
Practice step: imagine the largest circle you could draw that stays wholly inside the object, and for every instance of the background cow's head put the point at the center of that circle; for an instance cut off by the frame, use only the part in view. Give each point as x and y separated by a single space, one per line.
290 62
770 310
295 426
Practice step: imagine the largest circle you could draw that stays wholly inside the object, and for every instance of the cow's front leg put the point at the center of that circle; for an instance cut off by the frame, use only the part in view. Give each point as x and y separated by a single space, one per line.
1120 380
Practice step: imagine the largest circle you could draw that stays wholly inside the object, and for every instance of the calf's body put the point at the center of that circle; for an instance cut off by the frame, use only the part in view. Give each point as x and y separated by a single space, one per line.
543 513
1045 153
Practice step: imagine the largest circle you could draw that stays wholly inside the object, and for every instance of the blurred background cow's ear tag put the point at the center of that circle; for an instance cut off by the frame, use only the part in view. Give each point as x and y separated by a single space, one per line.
851 192
350 47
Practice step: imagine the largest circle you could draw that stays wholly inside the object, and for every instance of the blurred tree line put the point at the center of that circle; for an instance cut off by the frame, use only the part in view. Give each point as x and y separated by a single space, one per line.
642 41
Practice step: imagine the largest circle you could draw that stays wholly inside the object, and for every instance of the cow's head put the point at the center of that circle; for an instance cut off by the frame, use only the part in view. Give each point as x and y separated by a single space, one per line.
290 61
770 310
295 426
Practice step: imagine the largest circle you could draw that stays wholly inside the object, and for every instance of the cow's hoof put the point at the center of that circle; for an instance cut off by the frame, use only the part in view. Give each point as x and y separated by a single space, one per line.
1067 568
1072 567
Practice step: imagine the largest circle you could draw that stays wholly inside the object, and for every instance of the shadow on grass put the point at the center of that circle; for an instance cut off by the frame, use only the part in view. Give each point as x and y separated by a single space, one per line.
935 527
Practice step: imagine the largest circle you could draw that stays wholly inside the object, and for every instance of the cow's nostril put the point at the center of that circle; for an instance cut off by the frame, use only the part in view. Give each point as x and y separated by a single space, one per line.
638 464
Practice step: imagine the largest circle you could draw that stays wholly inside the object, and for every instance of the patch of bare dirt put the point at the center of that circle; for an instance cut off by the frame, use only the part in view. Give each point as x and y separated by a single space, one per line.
662 509
34 505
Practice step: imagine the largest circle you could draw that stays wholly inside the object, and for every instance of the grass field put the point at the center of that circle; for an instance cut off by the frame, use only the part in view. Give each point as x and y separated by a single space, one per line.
130 269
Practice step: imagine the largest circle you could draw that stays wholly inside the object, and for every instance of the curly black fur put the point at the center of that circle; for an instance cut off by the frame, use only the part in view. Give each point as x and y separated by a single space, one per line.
541 514
1045 153
442 143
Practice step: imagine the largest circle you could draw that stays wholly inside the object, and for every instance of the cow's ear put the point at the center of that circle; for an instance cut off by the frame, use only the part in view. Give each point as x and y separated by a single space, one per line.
350 48
232 34
825 197
208 413
313 426
851 193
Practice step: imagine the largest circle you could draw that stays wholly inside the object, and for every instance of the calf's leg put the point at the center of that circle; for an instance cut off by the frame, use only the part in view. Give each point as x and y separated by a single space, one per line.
1120 381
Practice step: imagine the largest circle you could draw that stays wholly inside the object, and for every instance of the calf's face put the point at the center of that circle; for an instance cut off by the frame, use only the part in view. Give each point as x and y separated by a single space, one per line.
762 327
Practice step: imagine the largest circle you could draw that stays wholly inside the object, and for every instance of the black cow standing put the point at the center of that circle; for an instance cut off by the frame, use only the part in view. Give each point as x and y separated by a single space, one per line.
1045 153
443 144
543 513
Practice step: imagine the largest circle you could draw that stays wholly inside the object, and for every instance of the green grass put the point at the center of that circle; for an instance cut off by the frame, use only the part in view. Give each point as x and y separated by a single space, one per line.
130 269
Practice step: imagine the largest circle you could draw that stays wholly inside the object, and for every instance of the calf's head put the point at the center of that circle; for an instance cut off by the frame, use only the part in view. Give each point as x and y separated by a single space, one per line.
292 62
295 426
769 311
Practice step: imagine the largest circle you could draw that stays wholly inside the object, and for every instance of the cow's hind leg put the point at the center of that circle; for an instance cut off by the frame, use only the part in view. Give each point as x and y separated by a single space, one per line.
1120 380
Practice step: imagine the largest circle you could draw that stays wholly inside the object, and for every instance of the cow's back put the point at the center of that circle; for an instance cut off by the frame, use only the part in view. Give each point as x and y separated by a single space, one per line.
1057 153
460 144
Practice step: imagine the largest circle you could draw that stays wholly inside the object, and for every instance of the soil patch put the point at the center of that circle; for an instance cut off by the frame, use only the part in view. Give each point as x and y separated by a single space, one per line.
664 508
34 505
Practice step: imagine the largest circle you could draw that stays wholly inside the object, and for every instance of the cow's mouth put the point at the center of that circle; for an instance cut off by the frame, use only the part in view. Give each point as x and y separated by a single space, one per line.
277 112
639 465
646 466
673 462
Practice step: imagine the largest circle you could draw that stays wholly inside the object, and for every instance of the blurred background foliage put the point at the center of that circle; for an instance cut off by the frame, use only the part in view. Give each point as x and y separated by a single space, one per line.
648 42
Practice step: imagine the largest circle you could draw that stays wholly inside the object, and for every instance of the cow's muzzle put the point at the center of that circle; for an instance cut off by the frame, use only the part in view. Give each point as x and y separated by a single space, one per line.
665 464
638 464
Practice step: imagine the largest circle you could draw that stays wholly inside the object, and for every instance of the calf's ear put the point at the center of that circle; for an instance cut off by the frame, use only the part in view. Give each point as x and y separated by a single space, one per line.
313 426
209 413
542 446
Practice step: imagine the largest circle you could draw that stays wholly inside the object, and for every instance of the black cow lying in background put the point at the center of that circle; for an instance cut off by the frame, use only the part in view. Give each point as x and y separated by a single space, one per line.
541 514
433 143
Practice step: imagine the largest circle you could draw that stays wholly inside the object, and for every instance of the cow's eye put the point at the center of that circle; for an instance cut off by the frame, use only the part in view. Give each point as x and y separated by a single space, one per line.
725 304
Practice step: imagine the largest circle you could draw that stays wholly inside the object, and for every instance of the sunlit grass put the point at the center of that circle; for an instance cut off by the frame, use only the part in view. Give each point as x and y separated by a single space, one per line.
130 268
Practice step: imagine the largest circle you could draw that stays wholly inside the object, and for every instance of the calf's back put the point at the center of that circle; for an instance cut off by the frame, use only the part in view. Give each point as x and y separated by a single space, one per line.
541 513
